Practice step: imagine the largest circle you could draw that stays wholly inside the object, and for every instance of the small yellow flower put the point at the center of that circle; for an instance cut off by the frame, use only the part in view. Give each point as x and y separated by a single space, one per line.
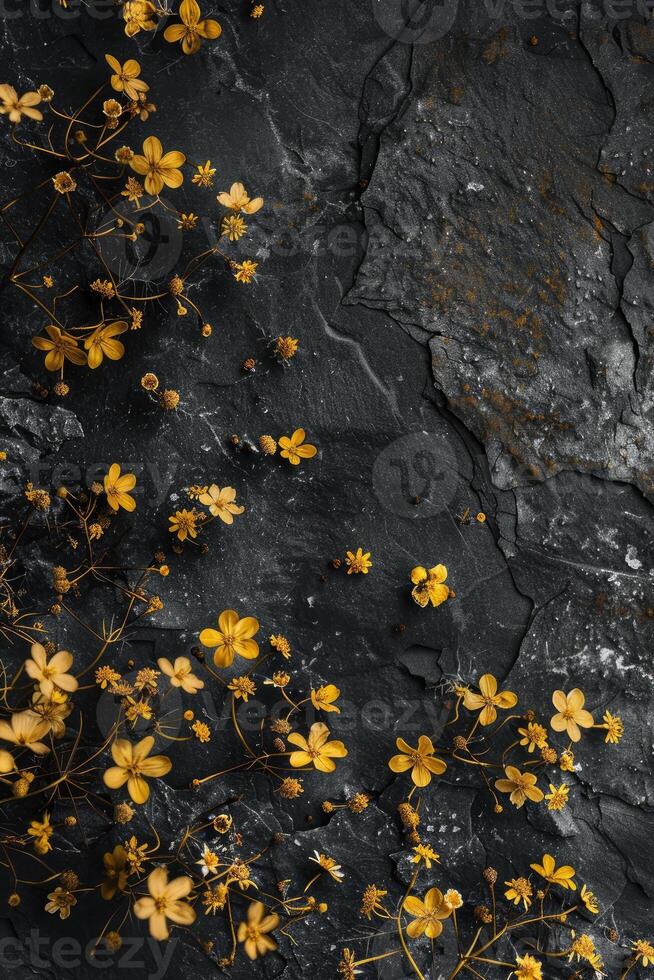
534 736
61 901
204 174
428 585
183 523
233 637
316 749
294 448
192 29
329 865
557 797
50 674
180 674
281 645
233 227
42 830
521 786
102 343
567 761
60 347
164 902
570 713
242 687
556 876
139 16
133 764
244 271
589 900
286 347
614 727
16 107
421 761
221 503
528 968
126 77
488 700
358 562
158 168
427 913
323 698
643 951
116 874
254 932
519 890
116 488
187 222
453 898
25 730
201 731
426 854
237 199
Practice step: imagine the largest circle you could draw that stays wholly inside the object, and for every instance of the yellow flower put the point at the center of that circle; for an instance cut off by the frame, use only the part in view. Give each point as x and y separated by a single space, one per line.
281 644
242 687
102 343
421 761
209 862
614 727
323 698
61 346
329 865
557 797
126 77
358 562
42 830
221 503
583 948
164 902
286 347
233 227
245 270
488 700
533 736
426 854
316 749
519 890
521 785
570 713
427 914
201 731
567 761
528 968
180 674
139 16
238 200
556 876
133 763
453 898
254 933
60 900
294 448
428 585
187 221
115 869
191 31
643 951
50 674
116 488
133 192
233 636
158 168
25 730
183 523
16 107
589 900
204 174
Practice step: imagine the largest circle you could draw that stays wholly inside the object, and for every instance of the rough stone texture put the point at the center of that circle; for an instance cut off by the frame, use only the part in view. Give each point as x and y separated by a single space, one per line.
460 234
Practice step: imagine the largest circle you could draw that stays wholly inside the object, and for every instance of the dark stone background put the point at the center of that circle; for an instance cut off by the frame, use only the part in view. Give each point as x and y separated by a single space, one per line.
458 228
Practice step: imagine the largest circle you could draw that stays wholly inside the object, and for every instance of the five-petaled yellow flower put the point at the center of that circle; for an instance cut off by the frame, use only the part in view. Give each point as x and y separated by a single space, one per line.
158 168
421 761
102 343
61 346
192 30
254 933
133 763
15 107
164 902
521 785
180 674
316 749
233 636
221 503
571 714
116 487
25 730
237 199
294 448
428 914
50 674
488 700
323 698
125 77
556 876
428 585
